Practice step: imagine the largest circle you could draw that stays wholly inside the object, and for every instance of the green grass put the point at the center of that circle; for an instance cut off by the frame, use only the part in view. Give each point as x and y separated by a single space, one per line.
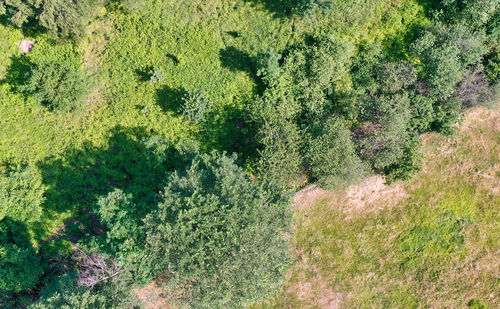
198 45
436 248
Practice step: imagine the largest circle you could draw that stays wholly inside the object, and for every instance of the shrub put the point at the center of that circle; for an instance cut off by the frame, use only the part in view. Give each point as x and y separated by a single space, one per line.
62 19
196 106
473 89
116 211
408 165
20 266
21 194
64 293
332 157
61 85
220 235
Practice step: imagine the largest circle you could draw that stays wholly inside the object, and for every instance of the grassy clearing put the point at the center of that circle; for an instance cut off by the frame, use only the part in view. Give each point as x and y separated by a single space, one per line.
437 247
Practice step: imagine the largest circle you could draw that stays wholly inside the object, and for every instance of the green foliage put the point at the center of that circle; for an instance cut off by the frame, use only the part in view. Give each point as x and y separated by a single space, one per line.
21 194
116 211
474 12
60 85
20 266
338 88
493 67
476 304
220 235
446 52
332 157
196 106
66 294
66 19
408 165
19 12
382 141
62 19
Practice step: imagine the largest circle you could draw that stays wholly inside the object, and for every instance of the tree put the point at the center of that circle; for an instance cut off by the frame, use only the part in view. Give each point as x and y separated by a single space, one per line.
220 235
308 7
409 164
20 265
19 12
64 293
381 141
332 156
21 194
474 12
20 268
61 85
62 19
446 52
473 89
116 211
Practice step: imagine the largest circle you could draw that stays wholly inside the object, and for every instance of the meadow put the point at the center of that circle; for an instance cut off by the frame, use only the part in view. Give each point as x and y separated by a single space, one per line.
429 242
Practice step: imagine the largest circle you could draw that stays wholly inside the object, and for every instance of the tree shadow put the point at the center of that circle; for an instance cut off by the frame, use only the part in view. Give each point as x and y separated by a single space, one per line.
145 74
170 99
231 130
279 8
237 60
30 29
127 162
18 72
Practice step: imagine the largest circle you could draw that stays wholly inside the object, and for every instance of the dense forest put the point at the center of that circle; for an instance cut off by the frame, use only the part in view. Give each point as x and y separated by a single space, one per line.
165 139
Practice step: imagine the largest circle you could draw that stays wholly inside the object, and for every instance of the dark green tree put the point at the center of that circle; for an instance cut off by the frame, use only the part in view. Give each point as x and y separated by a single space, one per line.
19 12
220 235
117 211
20 265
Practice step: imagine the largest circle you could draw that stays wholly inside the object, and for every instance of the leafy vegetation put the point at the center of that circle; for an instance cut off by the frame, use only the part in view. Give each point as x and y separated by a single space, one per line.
155 139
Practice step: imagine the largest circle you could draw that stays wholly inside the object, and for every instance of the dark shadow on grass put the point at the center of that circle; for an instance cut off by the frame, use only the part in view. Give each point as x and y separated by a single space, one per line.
18 72
279 8
170 99
236 60
29 29
144 74
231 130
76 180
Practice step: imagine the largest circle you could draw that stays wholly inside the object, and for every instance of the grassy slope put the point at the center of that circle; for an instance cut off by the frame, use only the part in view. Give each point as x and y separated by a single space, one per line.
431 242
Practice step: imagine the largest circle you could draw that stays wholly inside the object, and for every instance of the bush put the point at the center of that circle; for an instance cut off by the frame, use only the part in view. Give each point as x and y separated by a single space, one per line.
116 211
21 194
408 165
196 106
220 235
60 85
332 156
20 266
64 293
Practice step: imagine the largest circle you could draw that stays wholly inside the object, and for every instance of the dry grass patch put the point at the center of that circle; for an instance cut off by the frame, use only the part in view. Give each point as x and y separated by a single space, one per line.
431 242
